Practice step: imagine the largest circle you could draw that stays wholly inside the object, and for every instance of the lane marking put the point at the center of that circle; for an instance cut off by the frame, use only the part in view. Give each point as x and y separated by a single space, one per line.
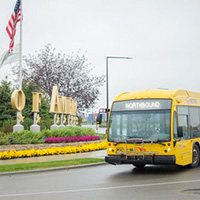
97 189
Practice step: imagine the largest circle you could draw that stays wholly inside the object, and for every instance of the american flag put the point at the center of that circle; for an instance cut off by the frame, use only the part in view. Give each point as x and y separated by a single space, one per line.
11 27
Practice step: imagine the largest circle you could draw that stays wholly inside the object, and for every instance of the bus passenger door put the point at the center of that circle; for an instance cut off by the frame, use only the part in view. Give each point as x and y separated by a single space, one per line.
183 150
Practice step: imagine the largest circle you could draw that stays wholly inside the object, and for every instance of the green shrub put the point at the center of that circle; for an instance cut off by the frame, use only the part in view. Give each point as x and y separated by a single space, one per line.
26 137
70 131
45 123
7 126
27 123
29 137
102 136
87 131
3 139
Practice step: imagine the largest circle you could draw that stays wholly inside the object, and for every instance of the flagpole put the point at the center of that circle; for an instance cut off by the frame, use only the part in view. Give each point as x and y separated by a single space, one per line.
19 126
20 49
17 16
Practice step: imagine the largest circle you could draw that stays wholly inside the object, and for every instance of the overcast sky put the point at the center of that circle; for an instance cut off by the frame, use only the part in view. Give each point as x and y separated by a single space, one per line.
162 36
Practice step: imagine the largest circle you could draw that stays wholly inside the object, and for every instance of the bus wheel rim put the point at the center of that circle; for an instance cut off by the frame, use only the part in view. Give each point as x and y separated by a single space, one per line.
195 155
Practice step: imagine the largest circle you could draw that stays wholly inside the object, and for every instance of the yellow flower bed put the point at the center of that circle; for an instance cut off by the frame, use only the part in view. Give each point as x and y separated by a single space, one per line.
53 151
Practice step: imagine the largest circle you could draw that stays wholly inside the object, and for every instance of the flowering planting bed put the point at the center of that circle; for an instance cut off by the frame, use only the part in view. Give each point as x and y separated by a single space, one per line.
53 151
72 139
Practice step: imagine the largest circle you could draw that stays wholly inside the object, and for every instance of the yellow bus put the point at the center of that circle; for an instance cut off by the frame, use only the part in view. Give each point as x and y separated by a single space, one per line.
154 127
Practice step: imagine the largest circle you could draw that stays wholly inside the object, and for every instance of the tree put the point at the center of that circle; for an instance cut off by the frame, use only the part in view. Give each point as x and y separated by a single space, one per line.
71 74
6 111
8 114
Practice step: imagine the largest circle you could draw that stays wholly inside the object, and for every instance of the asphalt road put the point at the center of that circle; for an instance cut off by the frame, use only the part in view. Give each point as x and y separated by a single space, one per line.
106 183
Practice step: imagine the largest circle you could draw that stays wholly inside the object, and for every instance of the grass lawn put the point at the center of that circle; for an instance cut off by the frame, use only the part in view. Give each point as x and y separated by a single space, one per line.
42 165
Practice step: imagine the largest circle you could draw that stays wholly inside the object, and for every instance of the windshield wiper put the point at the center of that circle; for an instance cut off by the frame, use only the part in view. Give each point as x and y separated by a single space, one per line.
138 140
158 141
142 140
117 140
135 137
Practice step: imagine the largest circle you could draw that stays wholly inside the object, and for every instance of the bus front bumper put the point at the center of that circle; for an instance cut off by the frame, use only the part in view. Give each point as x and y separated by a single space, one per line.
152 159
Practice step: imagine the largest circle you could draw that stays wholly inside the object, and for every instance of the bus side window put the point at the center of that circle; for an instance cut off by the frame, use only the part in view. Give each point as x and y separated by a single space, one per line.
194 122
183 113
175 127
183 122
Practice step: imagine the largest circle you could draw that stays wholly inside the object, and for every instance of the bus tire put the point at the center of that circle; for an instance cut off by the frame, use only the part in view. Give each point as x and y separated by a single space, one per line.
139 165
195 157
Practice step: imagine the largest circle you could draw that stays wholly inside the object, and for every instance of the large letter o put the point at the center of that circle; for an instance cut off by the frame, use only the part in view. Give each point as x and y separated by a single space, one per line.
18 100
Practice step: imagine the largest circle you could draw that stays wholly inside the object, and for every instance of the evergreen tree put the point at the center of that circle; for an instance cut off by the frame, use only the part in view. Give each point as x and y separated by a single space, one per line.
6 110
8 114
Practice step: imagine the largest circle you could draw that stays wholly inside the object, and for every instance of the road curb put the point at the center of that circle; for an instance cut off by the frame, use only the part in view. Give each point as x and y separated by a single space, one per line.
52 169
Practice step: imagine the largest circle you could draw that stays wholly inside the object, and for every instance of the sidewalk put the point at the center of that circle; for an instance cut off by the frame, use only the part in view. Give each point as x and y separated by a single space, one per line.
92 154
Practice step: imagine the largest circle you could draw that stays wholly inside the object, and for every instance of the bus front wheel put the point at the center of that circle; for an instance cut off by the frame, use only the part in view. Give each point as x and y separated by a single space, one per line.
139 165
195 156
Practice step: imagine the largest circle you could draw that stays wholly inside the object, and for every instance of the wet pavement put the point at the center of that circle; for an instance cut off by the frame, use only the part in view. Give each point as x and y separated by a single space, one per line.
105 182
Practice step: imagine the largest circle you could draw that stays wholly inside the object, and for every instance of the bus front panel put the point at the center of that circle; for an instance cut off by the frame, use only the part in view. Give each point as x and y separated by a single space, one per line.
140 132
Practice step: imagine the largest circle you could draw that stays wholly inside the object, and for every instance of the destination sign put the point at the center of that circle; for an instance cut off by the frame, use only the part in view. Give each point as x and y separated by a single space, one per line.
142 104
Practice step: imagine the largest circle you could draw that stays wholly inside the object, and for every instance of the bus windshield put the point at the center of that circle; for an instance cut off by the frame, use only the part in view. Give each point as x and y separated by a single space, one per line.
143 124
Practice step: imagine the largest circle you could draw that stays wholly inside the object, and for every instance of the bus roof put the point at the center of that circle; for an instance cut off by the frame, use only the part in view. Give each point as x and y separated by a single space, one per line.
145 94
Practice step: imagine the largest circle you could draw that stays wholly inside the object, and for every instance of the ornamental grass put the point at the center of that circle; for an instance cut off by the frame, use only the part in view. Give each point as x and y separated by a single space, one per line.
53 151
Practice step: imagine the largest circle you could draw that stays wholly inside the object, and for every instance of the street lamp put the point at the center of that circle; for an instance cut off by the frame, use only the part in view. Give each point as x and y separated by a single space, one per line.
107 58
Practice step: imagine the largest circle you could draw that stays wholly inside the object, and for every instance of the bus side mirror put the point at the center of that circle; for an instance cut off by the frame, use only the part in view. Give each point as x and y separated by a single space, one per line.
99 118
180 131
